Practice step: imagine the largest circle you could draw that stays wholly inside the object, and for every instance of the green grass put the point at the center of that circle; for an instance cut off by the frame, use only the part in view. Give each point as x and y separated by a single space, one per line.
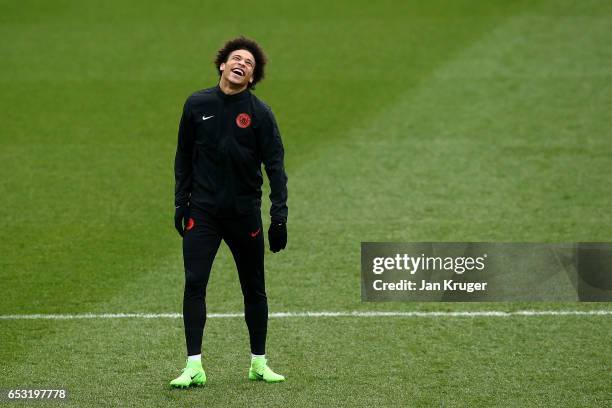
331 362
450 121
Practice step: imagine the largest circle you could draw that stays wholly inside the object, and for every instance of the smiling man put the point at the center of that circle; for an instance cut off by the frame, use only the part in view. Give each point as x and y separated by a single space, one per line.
225 134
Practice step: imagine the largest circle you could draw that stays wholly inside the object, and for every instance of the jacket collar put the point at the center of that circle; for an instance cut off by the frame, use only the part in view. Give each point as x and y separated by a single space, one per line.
230 98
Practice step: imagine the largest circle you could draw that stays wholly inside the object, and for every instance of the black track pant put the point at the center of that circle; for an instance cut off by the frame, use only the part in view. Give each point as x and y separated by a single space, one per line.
244 236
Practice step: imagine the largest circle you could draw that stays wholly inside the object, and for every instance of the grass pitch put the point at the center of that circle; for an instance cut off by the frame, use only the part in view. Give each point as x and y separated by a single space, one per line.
451 121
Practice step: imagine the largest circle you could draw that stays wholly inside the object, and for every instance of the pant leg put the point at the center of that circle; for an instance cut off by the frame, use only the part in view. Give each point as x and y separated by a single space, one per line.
200 245
244 236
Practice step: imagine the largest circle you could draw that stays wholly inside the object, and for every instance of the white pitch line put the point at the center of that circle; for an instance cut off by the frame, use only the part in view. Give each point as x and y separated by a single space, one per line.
487 313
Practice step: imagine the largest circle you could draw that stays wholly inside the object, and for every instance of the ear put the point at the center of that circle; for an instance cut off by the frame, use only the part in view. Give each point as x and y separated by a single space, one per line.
222 66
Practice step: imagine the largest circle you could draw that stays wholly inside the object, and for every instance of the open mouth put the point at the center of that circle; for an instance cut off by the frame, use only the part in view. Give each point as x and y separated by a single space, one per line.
238 71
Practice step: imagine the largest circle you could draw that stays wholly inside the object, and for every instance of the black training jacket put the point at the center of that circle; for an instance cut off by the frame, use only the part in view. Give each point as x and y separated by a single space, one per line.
222 142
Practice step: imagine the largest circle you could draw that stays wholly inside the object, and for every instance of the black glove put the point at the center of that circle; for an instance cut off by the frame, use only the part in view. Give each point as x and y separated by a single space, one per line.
181 215
277 236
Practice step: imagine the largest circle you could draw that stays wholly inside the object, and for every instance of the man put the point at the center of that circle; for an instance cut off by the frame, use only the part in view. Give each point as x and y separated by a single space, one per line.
225 134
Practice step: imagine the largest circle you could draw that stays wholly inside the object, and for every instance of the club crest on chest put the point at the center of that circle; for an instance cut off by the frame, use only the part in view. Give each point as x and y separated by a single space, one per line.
243 120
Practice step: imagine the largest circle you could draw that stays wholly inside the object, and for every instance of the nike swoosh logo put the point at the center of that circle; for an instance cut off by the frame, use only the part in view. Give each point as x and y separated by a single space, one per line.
207 117
254 234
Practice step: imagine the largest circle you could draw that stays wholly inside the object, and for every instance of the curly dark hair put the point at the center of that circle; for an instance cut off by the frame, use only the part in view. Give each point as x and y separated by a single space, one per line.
243 43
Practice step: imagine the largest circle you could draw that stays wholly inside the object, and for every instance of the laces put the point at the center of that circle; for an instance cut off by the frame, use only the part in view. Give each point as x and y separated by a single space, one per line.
259 369
264 369
184 370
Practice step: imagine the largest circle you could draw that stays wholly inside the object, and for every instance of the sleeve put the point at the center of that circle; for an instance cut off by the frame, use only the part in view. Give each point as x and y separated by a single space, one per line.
273 160
184 153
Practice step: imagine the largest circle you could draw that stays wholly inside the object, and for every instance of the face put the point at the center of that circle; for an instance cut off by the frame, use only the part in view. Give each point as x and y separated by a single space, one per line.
239 68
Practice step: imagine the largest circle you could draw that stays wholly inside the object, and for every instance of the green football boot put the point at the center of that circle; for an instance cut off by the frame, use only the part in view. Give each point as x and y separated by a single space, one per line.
260 371
192 374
